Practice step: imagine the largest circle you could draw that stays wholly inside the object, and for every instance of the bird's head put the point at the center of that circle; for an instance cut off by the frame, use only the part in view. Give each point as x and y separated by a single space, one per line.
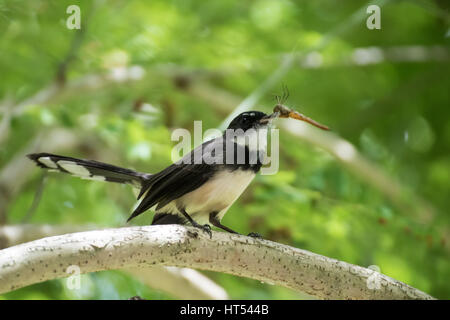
251 120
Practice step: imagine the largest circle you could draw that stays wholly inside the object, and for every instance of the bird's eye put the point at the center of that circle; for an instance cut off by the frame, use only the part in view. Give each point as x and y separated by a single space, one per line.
245 119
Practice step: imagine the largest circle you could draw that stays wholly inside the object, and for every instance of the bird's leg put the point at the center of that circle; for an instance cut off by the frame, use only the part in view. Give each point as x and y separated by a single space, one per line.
216 222
205 227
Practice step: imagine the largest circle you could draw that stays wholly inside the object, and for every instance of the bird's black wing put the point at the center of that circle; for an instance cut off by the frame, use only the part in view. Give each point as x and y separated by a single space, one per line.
176 180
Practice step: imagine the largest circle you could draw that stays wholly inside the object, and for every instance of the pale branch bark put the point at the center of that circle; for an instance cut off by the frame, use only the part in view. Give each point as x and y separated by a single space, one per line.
175 245
13 235
168 279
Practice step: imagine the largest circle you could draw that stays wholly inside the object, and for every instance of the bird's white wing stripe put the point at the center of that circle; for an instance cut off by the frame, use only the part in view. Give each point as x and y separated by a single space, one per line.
46 161
74 168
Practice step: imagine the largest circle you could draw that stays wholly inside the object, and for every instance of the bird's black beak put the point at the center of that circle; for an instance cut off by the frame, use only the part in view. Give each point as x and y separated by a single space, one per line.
266 119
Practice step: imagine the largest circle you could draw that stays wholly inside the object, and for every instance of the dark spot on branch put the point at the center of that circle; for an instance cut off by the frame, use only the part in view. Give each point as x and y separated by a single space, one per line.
192 234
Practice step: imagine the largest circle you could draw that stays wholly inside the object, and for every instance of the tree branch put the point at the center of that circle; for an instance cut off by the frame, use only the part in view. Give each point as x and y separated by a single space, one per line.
168 279
175 245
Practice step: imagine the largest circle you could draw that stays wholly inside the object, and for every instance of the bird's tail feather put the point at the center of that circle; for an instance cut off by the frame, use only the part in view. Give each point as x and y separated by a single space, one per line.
89 169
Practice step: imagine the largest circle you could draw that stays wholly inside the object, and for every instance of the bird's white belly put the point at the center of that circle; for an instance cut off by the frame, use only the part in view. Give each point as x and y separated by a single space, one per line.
218 194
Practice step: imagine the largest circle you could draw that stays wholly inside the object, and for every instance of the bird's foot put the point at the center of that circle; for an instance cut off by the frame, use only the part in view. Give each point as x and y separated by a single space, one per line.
255 235
205 227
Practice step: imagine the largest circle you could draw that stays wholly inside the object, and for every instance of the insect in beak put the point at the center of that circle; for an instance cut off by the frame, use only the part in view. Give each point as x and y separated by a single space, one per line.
285 112
268 118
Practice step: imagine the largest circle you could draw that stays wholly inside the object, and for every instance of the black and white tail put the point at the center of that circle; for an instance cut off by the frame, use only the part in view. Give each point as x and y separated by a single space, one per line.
89 169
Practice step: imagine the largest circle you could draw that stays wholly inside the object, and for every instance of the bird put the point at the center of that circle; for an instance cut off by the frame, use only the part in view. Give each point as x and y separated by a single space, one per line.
199 188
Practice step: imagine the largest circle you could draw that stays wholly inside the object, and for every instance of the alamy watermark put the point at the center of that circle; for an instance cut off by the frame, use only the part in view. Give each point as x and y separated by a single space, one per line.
233 147
73 282
373 282
374 20
74 20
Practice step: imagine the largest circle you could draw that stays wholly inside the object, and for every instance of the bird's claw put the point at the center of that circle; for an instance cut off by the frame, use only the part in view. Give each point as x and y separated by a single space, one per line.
254 235
205 227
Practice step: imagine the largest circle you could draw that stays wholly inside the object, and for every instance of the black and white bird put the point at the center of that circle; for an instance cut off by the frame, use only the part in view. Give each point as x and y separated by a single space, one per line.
199 188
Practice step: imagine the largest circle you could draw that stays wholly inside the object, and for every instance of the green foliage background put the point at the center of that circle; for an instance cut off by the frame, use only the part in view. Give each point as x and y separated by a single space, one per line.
395 112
